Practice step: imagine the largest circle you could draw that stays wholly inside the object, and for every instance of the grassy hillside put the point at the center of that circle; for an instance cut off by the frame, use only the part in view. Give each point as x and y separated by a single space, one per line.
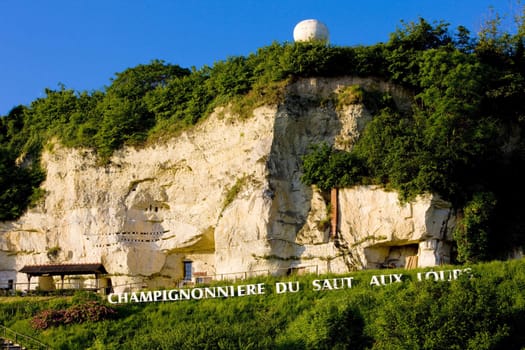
484 309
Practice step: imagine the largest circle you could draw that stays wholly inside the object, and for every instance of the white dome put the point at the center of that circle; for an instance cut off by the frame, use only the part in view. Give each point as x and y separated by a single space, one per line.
310 30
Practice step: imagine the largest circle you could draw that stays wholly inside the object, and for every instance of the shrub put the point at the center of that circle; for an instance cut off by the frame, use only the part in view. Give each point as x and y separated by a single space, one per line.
472 231
234 191
329 324
350 95
327 167
88 312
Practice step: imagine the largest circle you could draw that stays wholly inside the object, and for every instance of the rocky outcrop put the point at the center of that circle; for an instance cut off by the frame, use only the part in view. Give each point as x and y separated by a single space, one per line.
383 231
225 198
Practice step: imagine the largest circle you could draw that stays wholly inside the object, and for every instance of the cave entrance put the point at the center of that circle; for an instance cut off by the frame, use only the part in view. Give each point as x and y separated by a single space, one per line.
392 256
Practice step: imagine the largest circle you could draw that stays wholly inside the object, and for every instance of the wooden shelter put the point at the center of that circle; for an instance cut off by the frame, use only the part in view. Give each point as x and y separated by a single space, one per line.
63 270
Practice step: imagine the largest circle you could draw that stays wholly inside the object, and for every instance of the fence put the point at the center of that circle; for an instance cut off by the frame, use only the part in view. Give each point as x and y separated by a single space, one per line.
203 278
197 278
234 276
24 287
25 340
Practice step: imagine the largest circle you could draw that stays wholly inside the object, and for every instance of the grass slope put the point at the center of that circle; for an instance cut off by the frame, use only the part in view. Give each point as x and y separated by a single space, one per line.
483 310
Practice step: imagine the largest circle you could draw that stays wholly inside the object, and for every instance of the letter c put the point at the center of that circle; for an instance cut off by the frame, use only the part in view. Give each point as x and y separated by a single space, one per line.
110 300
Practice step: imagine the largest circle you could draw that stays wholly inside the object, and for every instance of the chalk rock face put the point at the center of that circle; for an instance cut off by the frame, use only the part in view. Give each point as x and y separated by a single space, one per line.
224 200
386 232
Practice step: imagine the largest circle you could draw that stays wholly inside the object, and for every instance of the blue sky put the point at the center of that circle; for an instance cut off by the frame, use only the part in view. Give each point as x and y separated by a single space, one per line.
83 43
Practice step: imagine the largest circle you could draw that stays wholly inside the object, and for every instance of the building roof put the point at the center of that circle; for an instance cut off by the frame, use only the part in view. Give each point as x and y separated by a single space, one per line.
64 269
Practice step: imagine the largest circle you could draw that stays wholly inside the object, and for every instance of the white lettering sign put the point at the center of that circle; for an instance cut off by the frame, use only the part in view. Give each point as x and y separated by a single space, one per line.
332 283
383 280
242 290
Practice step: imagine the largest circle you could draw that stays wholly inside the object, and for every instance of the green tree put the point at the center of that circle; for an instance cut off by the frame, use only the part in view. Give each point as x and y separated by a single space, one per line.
407 42
473 230
327 168
494 46
17 185
13 128
134 83
124 110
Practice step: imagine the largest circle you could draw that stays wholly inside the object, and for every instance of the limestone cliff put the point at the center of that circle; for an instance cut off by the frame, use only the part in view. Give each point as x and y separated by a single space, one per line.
226 198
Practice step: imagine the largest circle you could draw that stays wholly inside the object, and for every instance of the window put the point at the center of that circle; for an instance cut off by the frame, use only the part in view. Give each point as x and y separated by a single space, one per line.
187 270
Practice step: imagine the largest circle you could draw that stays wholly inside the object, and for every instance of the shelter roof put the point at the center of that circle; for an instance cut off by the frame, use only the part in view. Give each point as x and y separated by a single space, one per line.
64 269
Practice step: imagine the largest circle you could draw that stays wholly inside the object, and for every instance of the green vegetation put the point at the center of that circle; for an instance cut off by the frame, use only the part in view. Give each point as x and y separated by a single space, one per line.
455 140
471 232
327 167
484 310
461 137
349 95
234 191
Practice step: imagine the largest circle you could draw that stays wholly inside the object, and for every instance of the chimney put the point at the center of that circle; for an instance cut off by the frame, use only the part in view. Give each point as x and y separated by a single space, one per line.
333 212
